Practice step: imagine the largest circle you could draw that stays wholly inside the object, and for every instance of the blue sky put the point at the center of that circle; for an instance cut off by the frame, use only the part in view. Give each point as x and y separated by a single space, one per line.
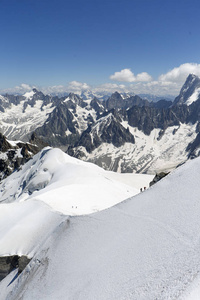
51 43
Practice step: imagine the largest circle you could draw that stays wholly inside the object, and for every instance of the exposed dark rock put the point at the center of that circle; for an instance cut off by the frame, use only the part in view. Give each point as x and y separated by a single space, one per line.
13 158
109 131
160 135
97 105
117 102
148 118
162 104
9 263
4 144
158 177
76 100
53 132
192 147
23 261
36 141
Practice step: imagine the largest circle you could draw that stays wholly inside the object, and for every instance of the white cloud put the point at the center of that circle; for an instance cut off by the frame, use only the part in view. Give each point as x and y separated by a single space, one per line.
110 87
20 89
156 88
126 75
142 77
77 86
24 87
169 83
55 89
180 73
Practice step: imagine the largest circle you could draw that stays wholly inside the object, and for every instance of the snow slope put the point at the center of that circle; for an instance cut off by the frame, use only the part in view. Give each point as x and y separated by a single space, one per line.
147 247
194 97
67 184
24 226
33 201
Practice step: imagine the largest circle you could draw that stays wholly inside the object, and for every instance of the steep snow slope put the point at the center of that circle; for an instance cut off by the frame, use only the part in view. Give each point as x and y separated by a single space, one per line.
194 97
66 184
24 226
144 248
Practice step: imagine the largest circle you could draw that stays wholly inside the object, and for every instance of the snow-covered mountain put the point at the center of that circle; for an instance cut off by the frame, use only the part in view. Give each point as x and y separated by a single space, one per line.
163 136
67 184
21 115
146 247
123 133
36 199
190 91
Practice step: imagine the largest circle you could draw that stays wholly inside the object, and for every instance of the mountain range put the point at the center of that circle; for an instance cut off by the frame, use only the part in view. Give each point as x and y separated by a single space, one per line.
123 132
70 229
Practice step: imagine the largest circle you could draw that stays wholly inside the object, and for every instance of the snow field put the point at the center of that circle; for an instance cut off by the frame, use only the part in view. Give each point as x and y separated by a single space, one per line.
35 199
146 247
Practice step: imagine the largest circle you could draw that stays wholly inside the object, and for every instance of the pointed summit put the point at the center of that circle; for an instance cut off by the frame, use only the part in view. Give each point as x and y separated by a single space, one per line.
190 91
35 90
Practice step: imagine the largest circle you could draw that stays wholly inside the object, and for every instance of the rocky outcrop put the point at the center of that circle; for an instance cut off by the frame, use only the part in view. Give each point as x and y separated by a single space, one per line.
148 118
116 101
97 106
158 177
53 132
162 104
4 144
9 263
12 156
109 130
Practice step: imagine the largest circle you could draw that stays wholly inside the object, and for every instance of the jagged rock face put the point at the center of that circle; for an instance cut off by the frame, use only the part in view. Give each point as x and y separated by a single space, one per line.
190 86
61 120
8 100
108 130
58 122
193 148
12 156
97 105
4 144
77 100
116 101
9 263
157 178
36 141
162 104
148 118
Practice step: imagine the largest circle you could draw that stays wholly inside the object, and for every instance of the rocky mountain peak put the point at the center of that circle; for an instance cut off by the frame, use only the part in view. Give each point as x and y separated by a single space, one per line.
189 92
76 99
4 144
35 90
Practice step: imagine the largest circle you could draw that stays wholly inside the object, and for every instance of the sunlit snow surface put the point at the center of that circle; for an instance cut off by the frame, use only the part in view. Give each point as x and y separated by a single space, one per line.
67 184
50 185
194 97
147 247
